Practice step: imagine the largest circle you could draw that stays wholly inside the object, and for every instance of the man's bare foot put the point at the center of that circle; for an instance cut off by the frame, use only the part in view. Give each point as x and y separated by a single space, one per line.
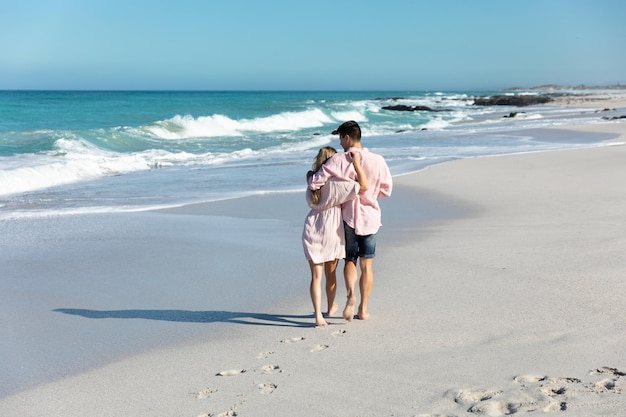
363 314
332 310
348 312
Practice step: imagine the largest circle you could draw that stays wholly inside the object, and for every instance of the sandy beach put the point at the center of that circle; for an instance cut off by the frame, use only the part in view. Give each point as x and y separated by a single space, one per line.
499 290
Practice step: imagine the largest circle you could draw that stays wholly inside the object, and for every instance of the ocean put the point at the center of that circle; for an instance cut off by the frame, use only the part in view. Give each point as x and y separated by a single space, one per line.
67 152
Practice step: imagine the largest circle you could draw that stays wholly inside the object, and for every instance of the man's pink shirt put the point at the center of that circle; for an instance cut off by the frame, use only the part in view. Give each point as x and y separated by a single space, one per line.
363 213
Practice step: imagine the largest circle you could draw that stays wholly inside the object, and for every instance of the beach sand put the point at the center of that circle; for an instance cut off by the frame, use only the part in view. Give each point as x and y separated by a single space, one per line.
499 290
595 101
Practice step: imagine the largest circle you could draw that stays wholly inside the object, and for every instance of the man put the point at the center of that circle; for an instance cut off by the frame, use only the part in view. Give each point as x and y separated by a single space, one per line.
361 216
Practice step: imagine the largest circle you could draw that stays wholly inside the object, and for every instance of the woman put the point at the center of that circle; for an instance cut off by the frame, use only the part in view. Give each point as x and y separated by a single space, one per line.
323 236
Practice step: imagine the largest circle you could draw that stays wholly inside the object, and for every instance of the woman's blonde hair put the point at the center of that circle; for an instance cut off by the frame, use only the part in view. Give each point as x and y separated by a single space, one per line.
322 156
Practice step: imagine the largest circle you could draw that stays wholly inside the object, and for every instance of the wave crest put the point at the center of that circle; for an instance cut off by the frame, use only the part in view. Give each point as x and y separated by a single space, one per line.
217 125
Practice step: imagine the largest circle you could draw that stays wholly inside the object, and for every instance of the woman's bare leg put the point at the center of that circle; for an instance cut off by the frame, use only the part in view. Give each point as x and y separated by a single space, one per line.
330 269
317 273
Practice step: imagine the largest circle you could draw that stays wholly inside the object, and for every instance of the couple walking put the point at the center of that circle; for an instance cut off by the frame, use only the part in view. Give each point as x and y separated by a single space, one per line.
343 189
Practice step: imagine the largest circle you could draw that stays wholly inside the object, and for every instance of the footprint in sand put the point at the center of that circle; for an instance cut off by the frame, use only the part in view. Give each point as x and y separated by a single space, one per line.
435 415
555 387
553 390
521 379
229 413
614 383
339 333
514 402
205 393
607 370
538 393
319 348
264 355
231 372
605 385
268 369
267 388
469 396
292 340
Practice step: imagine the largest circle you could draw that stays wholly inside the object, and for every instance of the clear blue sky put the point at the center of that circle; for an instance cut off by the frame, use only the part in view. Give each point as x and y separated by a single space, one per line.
310 45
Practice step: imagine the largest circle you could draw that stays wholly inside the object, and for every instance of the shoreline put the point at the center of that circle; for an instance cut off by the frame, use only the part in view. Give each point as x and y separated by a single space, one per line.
480 315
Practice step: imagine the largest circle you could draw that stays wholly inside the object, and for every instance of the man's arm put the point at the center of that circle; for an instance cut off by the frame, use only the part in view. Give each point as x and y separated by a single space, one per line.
386 183
319 178
337 166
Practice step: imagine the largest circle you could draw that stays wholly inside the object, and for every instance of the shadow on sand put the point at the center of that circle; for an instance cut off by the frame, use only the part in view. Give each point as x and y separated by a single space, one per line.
185 316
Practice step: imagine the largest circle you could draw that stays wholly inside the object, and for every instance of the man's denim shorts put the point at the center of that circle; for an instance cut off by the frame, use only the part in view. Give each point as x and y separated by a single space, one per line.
359 246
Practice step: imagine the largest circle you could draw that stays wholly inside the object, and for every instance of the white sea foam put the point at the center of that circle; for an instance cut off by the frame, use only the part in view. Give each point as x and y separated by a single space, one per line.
72 161
217 153
75 160
180 127
341 116
436 124
528 116
183 127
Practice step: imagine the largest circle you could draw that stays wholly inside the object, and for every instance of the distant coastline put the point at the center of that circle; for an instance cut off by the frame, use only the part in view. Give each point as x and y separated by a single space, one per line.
556 87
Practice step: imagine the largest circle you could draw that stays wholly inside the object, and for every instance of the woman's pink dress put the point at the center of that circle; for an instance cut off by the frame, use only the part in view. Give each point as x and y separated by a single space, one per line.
323 236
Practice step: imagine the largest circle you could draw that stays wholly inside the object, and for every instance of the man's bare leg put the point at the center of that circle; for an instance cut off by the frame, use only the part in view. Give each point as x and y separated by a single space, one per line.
350 274
330 269
366 283
317 272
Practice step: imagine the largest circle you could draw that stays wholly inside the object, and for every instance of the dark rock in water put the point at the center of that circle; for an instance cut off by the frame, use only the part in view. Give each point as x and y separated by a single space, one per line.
402 107
511 100
614 117
513 114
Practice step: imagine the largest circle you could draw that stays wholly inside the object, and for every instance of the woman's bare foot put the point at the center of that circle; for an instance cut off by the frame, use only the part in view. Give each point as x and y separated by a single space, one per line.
363 314
348 312
319 321
332 310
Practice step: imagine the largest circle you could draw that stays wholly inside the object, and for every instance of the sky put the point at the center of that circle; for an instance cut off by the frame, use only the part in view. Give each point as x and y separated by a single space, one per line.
310 45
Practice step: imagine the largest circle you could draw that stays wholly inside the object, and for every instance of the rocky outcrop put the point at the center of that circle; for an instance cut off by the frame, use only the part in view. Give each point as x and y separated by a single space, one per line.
520 101
402 107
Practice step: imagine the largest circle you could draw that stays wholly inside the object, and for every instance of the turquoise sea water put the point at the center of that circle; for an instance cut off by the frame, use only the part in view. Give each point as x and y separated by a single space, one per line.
70 151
